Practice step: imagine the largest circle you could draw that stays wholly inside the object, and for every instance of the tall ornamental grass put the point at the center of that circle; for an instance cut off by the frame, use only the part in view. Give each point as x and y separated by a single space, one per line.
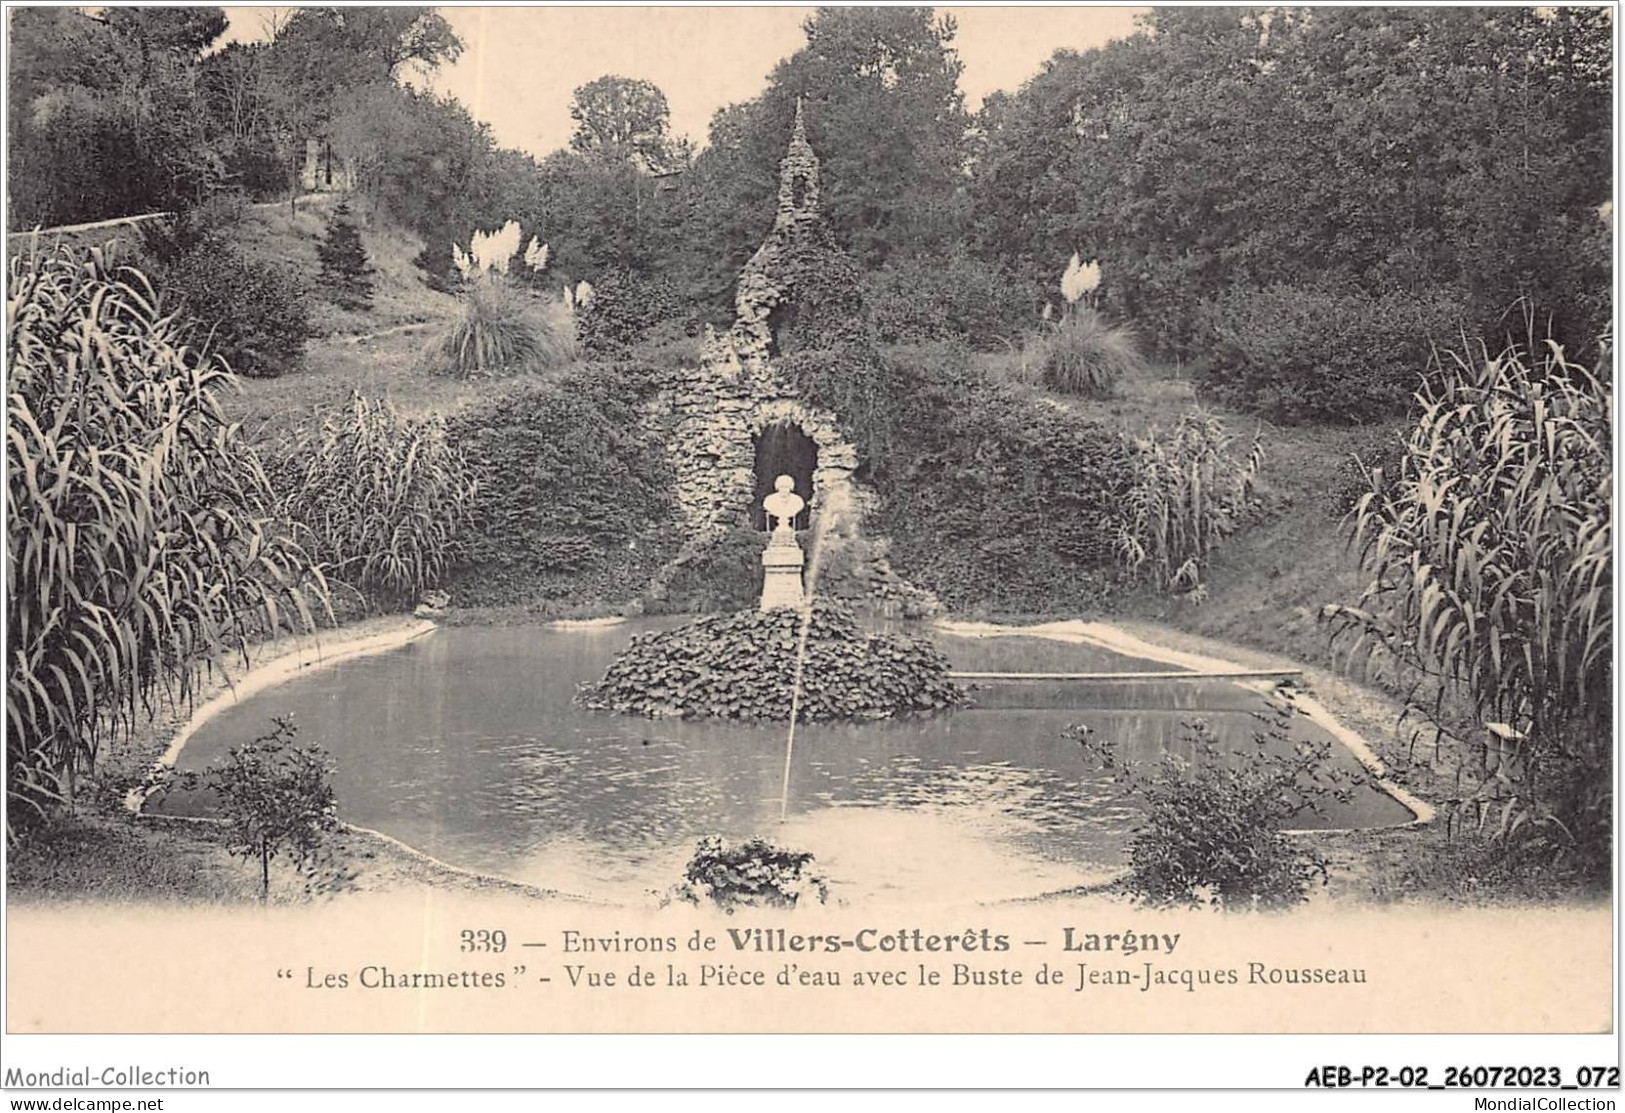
385 499
1191 489
493 334
140 535
1491 557
501 329
1087 355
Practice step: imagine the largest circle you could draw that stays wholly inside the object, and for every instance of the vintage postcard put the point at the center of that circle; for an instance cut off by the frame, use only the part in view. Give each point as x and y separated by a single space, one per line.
982 521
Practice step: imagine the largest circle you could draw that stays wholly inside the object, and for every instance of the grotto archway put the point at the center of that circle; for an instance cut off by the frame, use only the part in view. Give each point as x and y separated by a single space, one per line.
783 448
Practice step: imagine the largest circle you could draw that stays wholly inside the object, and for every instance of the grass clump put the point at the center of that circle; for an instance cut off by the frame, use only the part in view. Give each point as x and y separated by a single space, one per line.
1190 491
141 539
498 331
1086 355
385 499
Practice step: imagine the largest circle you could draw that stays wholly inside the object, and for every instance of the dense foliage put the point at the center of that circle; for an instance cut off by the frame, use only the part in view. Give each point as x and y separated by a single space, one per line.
623 308
575 496
1001 500
102 113
751 874
1491 551
724 574
140 537
917 300
1392 148
1302 353
385 499
744 666
250 312
120 111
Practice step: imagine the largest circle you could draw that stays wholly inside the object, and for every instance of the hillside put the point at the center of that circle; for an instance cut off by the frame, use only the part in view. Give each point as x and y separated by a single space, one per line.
1265 588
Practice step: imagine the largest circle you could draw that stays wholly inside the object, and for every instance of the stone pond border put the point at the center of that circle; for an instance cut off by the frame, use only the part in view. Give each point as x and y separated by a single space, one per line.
1120 641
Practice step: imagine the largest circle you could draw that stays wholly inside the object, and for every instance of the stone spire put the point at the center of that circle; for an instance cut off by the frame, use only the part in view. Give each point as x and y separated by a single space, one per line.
798 178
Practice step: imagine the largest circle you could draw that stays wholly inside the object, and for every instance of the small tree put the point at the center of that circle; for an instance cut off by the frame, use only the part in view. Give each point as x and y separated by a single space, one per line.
277 800
346 272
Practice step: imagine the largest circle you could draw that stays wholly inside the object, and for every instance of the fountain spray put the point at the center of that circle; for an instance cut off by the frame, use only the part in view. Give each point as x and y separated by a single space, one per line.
820 528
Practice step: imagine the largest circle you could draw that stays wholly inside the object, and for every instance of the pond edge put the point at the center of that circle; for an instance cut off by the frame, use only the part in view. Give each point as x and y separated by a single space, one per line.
310 655
1110 637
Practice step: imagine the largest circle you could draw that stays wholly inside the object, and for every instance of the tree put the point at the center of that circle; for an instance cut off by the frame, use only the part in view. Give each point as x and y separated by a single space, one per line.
321 57
345 270
883 110
622 118
277 801
1385 148
103 113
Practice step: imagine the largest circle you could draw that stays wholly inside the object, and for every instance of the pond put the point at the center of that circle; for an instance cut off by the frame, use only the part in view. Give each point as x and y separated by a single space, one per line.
466 744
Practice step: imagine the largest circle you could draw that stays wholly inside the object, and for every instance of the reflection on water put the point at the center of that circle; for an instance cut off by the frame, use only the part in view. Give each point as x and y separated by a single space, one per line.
466 744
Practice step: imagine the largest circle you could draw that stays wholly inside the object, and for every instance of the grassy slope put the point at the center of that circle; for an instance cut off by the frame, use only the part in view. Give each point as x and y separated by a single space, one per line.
379 351
1267 584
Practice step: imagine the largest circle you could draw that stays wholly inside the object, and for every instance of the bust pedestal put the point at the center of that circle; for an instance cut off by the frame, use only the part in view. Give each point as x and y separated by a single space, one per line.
781 568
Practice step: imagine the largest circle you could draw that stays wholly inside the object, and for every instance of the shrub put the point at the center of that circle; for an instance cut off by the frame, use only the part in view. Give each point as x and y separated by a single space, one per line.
1379 447
624 307
140 538
1492 562
576 496
1214 829
166 240
277 801
744 666
753 874
725 575
345 271
385 499
1189 492
914 301
497 332
249 312
1086 355
1000 500
1323 354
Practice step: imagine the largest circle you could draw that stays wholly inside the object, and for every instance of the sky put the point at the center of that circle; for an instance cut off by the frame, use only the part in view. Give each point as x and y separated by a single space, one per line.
521 65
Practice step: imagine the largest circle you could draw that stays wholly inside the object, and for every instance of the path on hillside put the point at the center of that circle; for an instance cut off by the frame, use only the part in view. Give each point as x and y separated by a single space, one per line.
391 331
132 221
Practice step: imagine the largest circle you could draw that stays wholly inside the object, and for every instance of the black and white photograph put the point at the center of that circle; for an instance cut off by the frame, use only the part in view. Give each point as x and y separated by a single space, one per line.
785 520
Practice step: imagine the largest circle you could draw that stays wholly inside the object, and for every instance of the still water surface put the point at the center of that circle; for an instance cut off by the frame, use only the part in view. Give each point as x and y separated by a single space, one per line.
466 745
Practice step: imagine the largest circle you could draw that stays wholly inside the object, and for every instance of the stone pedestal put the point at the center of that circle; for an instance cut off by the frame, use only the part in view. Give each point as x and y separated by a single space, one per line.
781 568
